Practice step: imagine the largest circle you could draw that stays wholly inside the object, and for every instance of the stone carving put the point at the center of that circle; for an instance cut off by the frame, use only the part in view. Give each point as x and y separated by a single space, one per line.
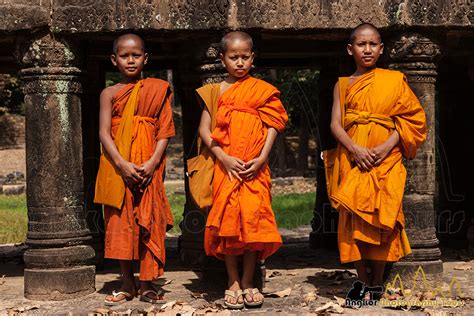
415 48
259 12
46 51
211 66
416 56
187 14
459 12
20 15
74 16
425 11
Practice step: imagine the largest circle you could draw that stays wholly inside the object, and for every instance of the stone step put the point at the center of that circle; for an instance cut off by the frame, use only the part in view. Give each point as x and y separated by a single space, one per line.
12 189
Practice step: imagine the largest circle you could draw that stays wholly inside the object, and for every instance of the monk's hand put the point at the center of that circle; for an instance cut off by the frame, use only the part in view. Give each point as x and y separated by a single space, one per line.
146 170
379 153
129 174
233 166
363 157
252 168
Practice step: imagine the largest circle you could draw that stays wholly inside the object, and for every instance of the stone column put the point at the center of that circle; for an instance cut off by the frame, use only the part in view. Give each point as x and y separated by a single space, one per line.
58 259
416 56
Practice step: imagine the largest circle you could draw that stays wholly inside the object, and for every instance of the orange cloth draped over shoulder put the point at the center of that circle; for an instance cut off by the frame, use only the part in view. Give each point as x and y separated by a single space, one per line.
241 217
137 230
371 220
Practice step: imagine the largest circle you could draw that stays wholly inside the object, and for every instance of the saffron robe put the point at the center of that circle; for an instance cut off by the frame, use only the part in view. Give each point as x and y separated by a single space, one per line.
137 231
371 220
241 217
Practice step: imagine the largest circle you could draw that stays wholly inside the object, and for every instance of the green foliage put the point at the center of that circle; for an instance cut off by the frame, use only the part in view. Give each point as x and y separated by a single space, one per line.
177 202
13 219
11 96
299 94
291 211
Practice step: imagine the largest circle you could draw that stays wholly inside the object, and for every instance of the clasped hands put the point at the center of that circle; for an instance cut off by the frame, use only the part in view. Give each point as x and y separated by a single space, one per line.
137 177
237 168
367 158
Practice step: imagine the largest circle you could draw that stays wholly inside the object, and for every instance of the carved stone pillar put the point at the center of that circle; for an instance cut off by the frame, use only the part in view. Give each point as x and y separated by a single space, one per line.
416 56
58 259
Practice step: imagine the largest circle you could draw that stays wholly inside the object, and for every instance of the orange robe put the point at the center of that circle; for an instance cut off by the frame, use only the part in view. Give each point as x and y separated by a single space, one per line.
241 217
371 220
138 230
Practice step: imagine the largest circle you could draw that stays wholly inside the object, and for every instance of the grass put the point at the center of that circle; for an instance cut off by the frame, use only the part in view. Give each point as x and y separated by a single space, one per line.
291 210
13 219
177 207
294 209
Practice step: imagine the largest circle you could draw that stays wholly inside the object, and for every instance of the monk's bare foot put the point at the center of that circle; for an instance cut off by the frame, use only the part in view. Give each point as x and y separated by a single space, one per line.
149 294
253 297
126 293
233 296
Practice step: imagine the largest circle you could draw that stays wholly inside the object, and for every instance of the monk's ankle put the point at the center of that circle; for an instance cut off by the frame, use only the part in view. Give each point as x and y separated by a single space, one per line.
145 285
233 285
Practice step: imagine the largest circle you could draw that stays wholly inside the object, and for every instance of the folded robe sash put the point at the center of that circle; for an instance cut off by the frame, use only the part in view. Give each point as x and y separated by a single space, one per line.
109 186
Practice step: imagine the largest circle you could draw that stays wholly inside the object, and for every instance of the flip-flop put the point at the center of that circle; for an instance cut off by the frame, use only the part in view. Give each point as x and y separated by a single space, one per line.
252 292
236 295
158 294
126 297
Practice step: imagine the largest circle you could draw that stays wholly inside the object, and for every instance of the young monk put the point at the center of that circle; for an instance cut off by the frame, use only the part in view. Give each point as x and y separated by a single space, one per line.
377 120
241 224
135 126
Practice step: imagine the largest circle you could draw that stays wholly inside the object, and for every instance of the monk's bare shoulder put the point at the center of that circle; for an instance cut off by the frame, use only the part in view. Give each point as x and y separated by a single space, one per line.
109 92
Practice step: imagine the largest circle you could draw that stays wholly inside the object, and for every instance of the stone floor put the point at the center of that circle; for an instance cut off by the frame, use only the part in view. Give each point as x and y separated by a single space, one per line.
308 282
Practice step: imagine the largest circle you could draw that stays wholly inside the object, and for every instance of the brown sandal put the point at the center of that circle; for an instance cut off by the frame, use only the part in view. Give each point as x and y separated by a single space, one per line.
158 294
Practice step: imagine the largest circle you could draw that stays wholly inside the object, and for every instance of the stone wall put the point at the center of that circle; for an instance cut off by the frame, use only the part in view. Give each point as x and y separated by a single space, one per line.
108 15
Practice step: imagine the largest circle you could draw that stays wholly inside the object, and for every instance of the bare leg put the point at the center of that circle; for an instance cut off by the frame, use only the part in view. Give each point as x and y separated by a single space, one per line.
378 269
250 259
361 268
231 264
128 281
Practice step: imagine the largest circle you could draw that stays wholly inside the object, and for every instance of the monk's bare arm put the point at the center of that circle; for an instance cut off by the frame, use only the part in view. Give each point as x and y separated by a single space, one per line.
147 169
233 165
361 155
254 165
126 168
381 151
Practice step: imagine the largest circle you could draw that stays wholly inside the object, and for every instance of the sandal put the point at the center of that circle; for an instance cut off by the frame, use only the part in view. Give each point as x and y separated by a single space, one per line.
126 297
158 294
236 295
252 292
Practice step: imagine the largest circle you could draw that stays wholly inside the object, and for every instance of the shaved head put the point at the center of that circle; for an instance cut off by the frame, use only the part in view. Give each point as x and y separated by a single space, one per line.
125 37
361 27
234 36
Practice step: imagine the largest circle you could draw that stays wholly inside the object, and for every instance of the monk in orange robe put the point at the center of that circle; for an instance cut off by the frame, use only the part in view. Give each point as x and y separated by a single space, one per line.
377 121
135 126
241 223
